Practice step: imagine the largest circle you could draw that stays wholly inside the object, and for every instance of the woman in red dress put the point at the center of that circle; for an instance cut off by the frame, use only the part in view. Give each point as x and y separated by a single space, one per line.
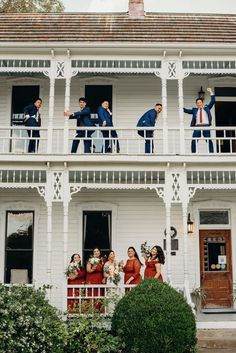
153 263
132 267
94 275
75 275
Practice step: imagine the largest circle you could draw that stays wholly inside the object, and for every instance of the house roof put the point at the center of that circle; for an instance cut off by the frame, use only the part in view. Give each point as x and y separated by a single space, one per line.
117 27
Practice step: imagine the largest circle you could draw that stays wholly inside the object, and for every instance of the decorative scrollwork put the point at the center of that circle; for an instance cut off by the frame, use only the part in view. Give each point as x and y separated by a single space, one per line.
57 186
172 70
176 187
60 73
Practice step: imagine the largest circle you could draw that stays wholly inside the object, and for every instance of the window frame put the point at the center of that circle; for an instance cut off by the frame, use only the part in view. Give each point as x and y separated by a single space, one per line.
15 210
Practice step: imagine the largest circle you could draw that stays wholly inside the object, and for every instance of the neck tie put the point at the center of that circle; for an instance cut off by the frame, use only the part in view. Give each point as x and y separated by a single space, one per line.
200 116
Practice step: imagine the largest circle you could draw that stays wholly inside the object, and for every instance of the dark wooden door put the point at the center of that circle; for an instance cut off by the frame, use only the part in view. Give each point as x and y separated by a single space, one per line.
216 268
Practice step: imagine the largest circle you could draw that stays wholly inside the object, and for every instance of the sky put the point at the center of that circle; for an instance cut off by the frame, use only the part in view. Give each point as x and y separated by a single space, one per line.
189 6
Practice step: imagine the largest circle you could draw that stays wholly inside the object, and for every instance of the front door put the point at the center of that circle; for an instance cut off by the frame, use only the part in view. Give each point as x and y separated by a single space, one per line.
216 268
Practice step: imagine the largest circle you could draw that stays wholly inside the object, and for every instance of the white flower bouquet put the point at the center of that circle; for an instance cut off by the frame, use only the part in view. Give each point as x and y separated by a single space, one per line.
72 270
113 274
94 261
145 249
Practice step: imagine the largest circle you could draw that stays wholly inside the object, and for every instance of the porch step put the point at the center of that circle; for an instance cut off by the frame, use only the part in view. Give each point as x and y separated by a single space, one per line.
218 311
217 339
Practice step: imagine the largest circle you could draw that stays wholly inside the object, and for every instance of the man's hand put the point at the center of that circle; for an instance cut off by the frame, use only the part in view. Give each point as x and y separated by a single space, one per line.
67 113
209 90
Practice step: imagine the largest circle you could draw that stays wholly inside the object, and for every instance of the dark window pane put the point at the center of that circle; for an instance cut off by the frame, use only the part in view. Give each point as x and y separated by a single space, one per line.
214 217
19 246
19 260
225 91
215 258
97 231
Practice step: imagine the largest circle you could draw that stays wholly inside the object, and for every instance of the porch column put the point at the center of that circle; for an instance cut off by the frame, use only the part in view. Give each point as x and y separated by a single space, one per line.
51 113
181 115
67 106
65 253
164 114
49 244
185 240
168 243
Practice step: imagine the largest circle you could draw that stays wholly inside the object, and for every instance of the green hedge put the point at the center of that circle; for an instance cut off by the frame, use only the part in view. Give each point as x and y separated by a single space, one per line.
154 318
28 323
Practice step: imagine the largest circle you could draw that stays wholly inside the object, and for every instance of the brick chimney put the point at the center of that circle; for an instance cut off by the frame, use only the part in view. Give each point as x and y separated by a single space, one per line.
136 8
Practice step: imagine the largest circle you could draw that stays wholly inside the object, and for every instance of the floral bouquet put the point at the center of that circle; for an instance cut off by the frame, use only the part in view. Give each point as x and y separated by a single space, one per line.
145 249
72 270
94 261
113 272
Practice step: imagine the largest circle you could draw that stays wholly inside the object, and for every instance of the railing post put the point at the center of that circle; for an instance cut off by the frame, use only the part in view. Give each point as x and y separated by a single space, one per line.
67 106
51 114
164 115
181 116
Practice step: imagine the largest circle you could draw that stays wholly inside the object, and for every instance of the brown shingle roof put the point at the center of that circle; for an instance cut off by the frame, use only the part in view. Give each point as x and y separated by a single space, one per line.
154 28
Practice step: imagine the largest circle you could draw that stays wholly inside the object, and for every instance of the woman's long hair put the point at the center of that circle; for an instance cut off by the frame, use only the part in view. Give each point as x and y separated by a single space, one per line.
160 254
72 260
135 254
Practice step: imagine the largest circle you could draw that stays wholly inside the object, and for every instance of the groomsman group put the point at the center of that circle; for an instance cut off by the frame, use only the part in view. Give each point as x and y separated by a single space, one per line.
201 117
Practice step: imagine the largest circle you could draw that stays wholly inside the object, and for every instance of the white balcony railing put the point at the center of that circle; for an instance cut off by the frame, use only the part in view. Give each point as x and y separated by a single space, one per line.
168 141
89 298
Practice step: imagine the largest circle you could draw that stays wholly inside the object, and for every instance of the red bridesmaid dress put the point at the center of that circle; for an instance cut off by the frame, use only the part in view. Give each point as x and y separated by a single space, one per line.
132 269
73 292
95 277
150 270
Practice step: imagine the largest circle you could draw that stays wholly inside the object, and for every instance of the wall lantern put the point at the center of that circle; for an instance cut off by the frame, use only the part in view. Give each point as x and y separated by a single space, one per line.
190 225
201 94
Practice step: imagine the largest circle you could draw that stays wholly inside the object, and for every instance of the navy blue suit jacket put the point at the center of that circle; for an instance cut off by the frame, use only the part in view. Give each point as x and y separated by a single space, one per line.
32 111
83 118
207 109
148 119
104 115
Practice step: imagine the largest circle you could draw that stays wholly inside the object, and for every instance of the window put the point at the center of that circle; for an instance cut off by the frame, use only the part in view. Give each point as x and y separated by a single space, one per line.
215 254
21 97
214 217
97 232
19 246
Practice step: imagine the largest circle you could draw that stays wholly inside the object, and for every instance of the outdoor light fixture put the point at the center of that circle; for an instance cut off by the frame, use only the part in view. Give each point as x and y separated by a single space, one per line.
201 94
190 225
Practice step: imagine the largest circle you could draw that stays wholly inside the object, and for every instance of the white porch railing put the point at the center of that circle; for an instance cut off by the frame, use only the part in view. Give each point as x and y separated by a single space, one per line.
90 298
58 140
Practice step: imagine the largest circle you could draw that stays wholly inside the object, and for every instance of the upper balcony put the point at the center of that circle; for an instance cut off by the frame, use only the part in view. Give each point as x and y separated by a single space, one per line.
132 87
169 144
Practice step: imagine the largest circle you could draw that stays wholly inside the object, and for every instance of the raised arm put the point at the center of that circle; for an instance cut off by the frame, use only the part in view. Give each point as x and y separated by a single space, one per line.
79 115
212 101
188 111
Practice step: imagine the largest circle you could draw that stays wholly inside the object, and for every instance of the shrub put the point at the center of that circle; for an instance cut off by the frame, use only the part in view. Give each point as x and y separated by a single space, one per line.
153 317
29 324
91 335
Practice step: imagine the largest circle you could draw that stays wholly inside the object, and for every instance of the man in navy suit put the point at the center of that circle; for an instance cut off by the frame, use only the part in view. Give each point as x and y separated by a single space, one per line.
201 116
32 118
83 117
105 120
149 119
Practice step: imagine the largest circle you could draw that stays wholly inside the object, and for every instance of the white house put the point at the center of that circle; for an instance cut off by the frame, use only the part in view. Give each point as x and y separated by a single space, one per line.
54 203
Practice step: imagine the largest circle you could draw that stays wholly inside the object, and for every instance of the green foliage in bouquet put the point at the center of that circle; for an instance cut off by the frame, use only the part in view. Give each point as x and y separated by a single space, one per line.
154 317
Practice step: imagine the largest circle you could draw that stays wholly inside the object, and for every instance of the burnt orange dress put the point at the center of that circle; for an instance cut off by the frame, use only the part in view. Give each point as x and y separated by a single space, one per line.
73 292
132 269
150 270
